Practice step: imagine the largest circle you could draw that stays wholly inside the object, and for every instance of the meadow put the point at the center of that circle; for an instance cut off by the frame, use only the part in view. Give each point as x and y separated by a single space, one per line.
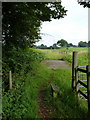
65 54
23 101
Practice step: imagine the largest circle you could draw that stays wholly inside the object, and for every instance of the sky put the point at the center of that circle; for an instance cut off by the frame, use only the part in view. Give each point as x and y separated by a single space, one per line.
73 28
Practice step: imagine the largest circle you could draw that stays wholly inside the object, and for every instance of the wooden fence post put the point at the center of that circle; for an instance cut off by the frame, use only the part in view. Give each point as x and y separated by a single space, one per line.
74 65
88 88
10 80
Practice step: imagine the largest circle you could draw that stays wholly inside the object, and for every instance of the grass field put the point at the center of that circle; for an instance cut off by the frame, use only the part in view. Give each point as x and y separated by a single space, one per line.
66 54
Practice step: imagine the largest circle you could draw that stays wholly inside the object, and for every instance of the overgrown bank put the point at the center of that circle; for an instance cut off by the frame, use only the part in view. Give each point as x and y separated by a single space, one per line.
21 101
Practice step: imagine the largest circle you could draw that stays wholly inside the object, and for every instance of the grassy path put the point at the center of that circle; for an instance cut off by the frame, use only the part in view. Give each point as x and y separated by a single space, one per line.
65 105
44 111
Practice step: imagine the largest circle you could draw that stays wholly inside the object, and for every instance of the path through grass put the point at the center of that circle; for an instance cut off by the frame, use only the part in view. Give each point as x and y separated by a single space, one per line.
66 105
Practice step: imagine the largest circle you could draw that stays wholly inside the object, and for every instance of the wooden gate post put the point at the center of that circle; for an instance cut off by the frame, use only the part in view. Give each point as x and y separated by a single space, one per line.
74 65
88 88
10 80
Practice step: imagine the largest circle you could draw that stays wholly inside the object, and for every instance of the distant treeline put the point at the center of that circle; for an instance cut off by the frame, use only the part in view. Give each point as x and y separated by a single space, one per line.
64 43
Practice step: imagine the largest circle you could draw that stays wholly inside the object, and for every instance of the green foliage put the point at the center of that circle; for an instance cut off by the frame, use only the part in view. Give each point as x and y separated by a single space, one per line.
67 58
24 66
82 58
82 44
12 104
84 3
21 102
88 43
62 43
17 60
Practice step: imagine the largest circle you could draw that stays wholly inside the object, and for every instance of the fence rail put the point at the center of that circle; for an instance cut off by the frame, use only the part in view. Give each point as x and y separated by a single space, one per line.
76 82
79 91
82 83
81 70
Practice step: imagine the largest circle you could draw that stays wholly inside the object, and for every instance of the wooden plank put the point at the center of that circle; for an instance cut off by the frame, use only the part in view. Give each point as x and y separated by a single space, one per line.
83 94
54 87
82 83
55 90
81 70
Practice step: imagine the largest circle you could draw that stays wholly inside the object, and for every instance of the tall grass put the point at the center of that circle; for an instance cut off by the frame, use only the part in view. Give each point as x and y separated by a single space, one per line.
82 58
66 105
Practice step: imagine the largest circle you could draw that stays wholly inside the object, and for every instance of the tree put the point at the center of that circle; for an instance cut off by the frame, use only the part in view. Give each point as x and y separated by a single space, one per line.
22 20
42 45
54 45
70 45
88 43
82 44
85 3
62 43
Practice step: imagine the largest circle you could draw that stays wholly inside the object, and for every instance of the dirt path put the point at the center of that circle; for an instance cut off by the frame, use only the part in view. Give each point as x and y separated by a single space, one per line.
55 64
44 112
